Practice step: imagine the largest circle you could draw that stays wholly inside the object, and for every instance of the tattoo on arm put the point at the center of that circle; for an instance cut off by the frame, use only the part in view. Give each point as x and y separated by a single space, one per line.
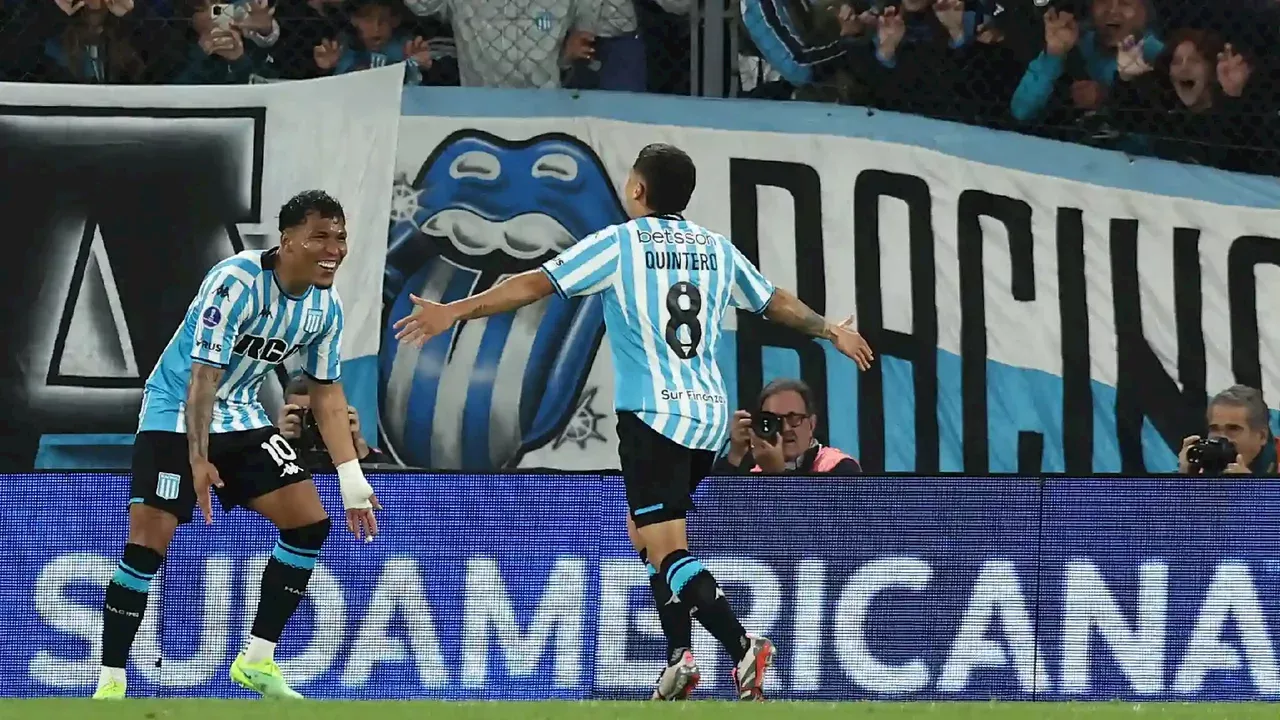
786 308
510 294
199 411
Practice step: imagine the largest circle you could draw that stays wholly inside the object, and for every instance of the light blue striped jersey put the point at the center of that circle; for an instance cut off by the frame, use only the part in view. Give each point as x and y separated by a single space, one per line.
666 285
243 321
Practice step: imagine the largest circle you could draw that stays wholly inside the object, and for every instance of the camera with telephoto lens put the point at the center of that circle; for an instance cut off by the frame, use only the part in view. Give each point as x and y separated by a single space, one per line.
1211 456
766 425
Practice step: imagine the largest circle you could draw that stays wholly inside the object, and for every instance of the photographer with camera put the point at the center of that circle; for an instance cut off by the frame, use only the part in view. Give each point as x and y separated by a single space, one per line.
779 437
298 425
1240 441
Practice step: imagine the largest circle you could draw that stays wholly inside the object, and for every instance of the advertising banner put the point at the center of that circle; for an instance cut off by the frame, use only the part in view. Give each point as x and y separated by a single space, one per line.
1035 306
118 200
524 586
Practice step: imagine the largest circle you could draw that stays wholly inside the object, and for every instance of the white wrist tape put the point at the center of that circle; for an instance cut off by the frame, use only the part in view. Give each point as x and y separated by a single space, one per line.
355 489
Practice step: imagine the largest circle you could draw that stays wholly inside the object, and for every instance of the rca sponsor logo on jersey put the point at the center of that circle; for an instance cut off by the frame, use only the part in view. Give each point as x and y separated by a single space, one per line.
669 260
272 350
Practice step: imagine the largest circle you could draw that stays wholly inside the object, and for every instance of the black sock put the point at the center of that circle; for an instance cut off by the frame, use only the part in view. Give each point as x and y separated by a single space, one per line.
126 602
677 626
705 600
284 581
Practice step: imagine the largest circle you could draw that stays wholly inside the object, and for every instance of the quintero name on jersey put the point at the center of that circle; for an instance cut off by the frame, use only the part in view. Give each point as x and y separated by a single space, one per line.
272 350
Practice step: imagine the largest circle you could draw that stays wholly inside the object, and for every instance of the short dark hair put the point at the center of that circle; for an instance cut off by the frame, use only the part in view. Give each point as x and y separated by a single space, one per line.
295 212
1259 417
782 385
669 177
298 385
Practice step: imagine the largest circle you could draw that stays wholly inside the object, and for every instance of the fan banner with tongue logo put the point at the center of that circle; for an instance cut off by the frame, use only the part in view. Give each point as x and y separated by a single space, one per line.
1034 306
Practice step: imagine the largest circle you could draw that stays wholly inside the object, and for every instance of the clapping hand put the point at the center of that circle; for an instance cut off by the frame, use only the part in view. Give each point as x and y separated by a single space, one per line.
1233 72
1131 61
950 14
1061 32
326 54
259 19
418 51
890 32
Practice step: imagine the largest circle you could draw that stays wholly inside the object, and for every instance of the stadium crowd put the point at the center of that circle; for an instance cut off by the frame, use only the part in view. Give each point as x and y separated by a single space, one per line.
1188 80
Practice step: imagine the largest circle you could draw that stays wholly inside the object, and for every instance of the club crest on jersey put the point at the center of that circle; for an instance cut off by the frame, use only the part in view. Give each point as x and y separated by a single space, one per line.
211 317
313 321
482 208
271 350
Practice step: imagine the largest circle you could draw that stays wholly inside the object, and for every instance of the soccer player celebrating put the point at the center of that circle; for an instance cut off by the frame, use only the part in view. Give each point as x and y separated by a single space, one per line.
667 284
202 427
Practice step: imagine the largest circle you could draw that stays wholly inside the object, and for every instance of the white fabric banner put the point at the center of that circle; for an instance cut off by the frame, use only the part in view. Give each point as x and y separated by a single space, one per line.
145 188
1019 319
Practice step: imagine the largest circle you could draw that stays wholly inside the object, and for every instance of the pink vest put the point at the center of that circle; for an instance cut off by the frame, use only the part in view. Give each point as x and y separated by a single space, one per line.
828 458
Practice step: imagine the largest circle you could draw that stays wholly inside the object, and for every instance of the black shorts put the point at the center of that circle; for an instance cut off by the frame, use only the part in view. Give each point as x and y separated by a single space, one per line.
659 474
162 471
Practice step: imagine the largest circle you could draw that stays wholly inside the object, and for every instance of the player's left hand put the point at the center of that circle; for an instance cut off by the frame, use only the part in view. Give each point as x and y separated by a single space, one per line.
358 500
768 455
427 320
852 345
362 522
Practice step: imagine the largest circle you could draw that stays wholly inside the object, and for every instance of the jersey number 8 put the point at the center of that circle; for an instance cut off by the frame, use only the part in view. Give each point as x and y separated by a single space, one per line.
684 331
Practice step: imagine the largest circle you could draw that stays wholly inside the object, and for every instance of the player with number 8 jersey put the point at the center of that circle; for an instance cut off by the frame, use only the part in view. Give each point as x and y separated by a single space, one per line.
667 284
202 429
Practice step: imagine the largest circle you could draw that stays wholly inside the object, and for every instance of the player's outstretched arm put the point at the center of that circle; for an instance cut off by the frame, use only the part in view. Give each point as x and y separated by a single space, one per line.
429 319
329 405
787 309
201 389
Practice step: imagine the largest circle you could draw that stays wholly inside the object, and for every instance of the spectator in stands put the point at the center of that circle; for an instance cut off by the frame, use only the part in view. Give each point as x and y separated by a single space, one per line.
917 56
793 46
304 25
1240 415
93 45
1086 55
795 449
619 61
516 43
1189 106
374 40
298 425
220 54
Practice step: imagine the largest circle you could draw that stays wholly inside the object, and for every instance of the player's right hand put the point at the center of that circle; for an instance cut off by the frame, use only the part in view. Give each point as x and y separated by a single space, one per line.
205 476
427 320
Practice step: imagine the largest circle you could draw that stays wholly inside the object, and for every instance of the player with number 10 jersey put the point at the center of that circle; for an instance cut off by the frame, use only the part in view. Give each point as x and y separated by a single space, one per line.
202 429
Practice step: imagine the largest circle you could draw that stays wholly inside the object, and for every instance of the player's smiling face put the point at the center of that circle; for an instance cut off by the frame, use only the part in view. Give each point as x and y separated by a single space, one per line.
321 244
